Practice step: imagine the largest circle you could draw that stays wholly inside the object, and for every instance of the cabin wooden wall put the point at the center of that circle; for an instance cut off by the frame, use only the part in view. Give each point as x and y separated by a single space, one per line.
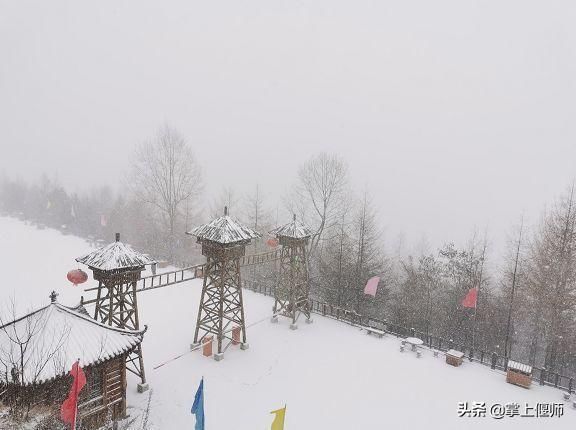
105 390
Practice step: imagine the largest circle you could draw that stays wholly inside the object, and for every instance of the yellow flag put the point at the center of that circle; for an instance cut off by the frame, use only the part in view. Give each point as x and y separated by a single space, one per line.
278 423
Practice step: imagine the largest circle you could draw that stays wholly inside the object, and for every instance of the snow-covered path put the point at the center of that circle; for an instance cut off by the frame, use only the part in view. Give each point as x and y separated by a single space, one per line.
330 375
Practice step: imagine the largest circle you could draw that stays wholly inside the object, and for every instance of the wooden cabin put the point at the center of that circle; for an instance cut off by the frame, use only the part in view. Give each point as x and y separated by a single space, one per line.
55 337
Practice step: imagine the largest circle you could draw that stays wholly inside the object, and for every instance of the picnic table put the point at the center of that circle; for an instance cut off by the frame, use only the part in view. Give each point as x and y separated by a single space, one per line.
415 345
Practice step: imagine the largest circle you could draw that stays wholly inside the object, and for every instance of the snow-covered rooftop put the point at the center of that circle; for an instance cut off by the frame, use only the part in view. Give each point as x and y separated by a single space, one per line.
294 230
224 230
55 336
115 256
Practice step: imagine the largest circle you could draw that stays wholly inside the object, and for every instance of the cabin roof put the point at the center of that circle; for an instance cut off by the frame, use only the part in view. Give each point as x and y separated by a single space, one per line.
224 230
294 230
58 336
117 255
521 367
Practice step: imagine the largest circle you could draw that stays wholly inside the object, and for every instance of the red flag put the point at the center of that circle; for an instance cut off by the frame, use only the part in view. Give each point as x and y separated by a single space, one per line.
470 300
69 408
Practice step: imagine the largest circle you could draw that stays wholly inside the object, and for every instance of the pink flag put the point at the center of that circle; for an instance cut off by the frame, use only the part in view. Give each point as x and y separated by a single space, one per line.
470 300
372 286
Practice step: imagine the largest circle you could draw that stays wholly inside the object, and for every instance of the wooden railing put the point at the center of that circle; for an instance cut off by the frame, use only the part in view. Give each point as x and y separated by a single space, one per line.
188 273
169 278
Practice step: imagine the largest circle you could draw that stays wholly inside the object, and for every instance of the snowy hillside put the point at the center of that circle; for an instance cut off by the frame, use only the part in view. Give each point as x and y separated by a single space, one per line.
330 375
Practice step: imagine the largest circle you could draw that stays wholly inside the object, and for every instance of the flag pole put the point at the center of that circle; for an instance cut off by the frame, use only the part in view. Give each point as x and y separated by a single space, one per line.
507 339
204 402
76 391
478 293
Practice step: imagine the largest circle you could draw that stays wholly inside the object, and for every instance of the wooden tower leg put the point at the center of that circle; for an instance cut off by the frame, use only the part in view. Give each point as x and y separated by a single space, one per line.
118 307
220 323
292 291
207 277
97 308
244 344
221 305
132 318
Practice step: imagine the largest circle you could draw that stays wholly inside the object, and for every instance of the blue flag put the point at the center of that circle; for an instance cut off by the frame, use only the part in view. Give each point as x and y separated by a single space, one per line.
198 406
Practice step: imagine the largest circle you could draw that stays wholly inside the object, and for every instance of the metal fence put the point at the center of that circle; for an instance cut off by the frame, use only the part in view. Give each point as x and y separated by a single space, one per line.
486 358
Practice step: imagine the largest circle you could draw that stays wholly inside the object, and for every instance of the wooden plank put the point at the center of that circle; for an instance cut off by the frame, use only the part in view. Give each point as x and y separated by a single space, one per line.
88 402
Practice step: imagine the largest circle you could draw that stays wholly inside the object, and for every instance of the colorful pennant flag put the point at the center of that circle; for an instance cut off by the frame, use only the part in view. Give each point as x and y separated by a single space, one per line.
69 409
278 423
198 406
372 286
470 300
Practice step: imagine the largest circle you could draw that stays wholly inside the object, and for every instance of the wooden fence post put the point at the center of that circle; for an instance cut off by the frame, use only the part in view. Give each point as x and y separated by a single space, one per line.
542 376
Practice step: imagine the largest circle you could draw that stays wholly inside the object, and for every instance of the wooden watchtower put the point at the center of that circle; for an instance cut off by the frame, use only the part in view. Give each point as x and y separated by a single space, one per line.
291 292
117 268
221 307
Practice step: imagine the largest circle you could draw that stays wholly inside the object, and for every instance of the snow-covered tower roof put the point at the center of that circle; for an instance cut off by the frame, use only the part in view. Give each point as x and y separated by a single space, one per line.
114 257
225 231
58 336
293 230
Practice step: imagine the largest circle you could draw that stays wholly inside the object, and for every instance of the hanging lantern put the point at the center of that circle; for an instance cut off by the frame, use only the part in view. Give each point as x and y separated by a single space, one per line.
272 242
77 276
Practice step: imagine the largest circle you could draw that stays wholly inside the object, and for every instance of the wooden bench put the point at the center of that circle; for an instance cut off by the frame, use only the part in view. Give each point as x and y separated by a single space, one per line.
519 374
375 332
454 357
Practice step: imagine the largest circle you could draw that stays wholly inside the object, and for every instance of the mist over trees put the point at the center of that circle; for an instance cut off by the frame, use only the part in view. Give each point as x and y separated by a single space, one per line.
166 177
526 302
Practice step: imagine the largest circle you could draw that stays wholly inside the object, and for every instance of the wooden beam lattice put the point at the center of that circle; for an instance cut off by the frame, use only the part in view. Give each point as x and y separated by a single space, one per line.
291 295
221 306
116 305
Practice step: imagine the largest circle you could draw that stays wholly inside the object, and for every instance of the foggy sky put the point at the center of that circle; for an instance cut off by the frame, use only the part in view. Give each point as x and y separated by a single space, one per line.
455 114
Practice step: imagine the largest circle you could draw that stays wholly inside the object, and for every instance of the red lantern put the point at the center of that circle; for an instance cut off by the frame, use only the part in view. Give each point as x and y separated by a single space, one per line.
77 276
272 243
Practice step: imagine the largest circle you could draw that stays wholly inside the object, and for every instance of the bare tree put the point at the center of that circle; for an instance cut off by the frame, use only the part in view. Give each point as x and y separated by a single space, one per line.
320 189
551 283
166 175
370 259
26 350
228 198
512 275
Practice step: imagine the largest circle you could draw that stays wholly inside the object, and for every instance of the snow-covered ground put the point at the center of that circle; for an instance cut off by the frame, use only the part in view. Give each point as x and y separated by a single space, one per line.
330 375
